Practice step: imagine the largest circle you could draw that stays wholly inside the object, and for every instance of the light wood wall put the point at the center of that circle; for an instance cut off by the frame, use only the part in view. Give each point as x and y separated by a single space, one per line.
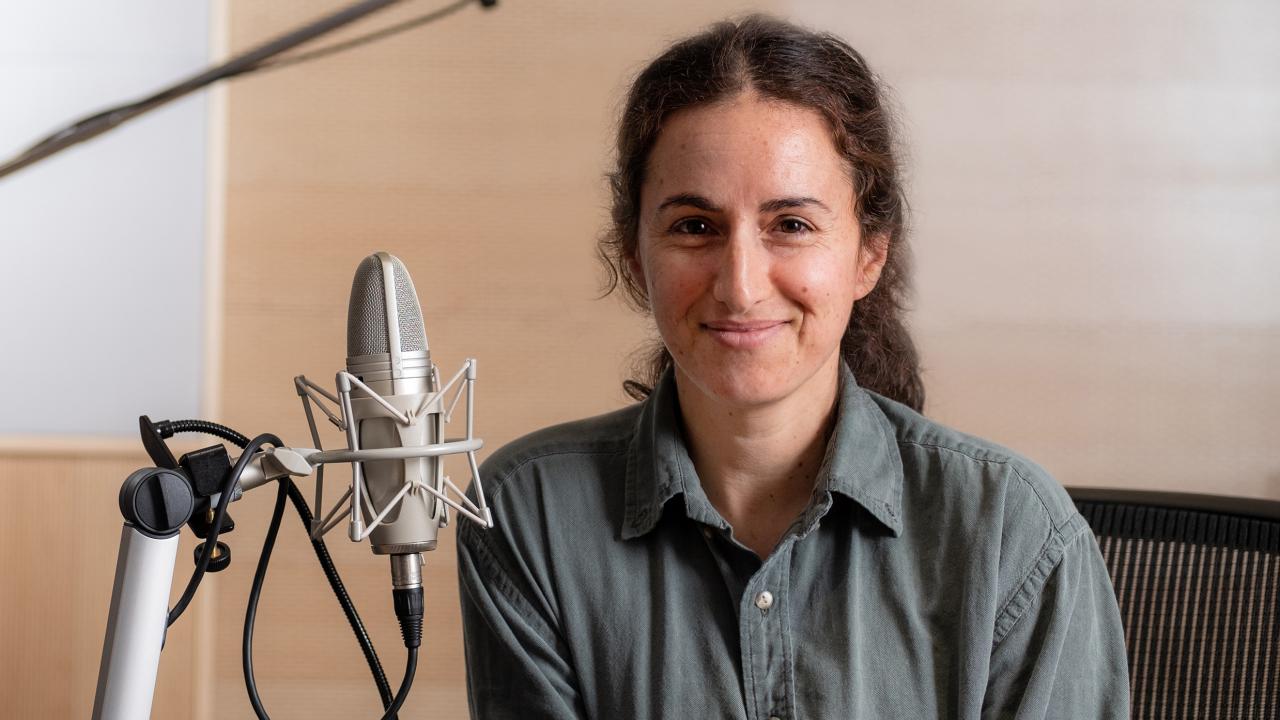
1095 190
59 535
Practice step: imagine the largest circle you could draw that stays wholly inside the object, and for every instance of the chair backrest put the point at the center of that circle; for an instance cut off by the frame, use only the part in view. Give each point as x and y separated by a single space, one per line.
1196 579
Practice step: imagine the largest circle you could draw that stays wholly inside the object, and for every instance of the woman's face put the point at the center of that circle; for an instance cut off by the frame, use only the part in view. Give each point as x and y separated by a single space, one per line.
749 248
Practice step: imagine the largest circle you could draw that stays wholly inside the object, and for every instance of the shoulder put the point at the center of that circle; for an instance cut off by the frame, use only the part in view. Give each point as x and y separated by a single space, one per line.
1017 520
552 493
569 450
966 463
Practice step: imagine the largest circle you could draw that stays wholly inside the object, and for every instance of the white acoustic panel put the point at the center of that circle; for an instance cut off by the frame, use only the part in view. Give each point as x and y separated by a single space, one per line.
101 280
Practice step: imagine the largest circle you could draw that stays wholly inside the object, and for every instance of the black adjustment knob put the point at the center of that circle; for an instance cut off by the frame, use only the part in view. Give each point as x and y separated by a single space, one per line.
221 556
157 501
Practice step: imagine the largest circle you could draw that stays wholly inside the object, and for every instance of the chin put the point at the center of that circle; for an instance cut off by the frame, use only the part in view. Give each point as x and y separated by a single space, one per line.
746 386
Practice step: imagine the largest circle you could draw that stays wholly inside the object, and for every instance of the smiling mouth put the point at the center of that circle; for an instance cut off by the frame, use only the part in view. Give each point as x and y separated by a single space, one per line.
744 336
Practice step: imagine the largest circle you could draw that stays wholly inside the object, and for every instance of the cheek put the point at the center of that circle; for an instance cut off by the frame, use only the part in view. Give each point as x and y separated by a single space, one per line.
675 286
823 289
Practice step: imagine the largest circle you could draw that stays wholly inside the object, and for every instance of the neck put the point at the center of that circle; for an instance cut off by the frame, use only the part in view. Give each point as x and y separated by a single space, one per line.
758 463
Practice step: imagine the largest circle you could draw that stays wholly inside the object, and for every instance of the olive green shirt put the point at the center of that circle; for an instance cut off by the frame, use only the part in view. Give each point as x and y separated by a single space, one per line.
933 575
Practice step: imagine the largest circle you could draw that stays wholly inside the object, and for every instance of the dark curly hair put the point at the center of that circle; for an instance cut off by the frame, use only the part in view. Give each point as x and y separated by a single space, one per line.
782 61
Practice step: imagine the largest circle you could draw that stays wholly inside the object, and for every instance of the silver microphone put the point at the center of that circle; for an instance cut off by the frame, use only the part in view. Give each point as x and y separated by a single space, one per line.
393 409
387 351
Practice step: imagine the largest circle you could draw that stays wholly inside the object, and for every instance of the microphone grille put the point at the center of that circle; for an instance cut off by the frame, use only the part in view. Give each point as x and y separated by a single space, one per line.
413 336
367 315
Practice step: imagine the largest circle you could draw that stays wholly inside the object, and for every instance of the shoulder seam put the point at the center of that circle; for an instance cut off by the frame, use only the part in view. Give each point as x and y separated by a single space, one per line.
1047 562
1013 464
998 460
479 542
1008 615
506 476
1009 461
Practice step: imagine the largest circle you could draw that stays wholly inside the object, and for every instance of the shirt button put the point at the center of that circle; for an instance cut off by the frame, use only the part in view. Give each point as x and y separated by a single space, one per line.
764 601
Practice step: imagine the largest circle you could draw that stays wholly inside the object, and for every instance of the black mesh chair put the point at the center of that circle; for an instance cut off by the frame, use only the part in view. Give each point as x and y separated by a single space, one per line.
1196 578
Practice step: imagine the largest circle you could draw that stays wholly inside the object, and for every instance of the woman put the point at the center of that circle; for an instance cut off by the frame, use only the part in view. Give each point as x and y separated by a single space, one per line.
775 532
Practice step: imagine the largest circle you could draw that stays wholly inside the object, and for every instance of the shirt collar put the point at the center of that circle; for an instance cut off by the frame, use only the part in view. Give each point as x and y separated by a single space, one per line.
862 462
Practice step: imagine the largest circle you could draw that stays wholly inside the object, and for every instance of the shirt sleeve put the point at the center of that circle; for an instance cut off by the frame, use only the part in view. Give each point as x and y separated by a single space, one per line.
517 664
1059 650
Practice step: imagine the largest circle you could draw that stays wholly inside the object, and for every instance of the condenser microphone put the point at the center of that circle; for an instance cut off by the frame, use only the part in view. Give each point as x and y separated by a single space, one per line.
393 409
387 351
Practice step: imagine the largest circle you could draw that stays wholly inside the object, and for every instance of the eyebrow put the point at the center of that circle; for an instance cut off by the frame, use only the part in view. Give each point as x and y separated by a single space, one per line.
791 202
689 200
701 203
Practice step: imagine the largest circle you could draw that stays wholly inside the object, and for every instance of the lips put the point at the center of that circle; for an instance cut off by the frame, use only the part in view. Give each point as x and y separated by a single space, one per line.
744 335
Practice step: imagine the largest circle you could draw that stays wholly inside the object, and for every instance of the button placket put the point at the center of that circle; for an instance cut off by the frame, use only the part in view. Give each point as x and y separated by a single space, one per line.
766 656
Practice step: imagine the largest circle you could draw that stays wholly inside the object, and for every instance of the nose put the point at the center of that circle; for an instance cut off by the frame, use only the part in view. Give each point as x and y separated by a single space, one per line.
742 277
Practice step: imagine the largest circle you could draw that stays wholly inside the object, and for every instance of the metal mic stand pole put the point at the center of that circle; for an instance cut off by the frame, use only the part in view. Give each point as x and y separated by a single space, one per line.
156 504
96 125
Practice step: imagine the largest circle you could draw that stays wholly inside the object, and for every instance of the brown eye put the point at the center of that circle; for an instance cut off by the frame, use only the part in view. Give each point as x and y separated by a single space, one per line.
793 225
692 226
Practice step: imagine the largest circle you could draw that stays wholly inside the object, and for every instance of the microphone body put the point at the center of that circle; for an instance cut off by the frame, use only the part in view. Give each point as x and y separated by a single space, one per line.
387 350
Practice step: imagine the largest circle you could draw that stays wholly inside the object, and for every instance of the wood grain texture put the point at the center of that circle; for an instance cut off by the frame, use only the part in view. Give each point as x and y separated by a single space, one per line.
1188 409
61 529
1094 201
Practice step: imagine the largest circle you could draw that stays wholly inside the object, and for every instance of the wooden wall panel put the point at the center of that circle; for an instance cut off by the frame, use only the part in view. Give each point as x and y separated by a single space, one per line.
1095 192
60 527
1158 408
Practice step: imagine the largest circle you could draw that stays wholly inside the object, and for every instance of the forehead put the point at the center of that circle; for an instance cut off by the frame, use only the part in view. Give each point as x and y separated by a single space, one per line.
747 145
